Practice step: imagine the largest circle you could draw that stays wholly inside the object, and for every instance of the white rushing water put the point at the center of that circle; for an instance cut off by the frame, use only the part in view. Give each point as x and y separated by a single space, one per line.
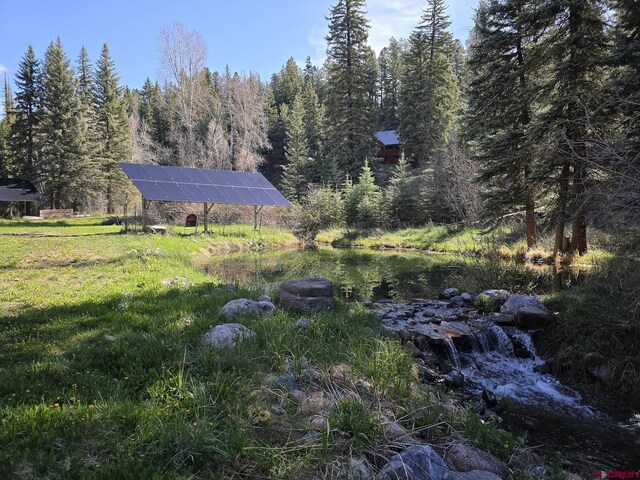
493 365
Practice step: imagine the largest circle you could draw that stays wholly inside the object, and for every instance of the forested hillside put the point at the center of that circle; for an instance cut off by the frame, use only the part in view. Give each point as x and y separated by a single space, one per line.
538 113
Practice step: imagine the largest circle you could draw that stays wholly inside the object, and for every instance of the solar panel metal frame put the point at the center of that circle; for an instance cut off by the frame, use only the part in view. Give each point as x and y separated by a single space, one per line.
196 185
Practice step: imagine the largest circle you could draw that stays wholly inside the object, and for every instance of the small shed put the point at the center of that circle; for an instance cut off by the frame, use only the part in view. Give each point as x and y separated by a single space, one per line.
389 146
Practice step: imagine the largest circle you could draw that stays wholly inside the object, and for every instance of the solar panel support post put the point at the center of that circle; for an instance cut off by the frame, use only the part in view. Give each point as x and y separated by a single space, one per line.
206 218
256 211
207 209
144 215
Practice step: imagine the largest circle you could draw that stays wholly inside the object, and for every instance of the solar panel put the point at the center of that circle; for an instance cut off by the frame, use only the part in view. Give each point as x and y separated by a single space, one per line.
180 184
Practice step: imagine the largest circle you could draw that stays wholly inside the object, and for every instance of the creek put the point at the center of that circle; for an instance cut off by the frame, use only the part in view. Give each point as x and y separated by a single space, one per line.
586 430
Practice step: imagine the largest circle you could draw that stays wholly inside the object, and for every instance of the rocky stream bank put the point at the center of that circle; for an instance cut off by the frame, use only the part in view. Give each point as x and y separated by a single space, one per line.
480 349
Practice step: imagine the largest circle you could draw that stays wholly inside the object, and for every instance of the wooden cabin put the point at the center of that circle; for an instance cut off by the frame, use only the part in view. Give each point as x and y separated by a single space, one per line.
389 146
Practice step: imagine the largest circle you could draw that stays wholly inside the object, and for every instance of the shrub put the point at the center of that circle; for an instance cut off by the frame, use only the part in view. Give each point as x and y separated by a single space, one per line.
320 209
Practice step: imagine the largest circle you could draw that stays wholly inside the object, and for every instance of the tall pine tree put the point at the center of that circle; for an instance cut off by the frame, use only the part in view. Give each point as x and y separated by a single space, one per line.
113 130
5 129
351 87
576 45
295 180
501 106
390 67
429 86
23 143
64 162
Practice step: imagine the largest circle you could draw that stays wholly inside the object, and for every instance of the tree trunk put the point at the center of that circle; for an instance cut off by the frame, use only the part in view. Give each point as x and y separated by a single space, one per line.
579 235
531 224
561 213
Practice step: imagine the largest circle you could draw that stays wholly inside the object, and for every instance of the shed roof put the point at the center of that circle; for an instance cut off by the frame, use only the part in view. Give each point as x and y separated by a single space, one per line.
16 190
388 137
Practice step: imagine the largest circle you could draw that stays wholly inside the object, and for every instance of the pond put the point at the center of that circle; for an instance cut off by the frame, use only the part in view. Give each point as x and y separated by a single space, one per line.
372 275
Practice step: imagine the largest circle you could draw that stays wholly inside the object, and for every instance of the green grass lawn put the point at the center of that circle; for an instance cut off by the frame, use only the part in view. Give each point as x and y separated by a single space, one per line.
103 374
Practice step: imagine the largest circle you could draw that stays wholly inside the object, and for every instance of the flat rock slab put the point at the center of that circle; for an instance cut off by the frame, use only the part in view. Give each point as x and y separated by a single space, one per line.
227 335
306 294
308 287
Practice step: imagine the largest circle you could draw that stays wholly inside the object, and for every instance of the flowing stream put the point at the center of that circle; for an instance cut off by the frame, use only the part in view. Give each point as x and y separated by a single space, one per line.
555 418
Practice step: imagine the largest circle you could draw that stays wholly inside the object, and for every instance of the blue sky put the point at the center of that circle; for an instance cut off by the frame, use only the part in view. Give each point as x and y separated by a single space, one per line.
248 35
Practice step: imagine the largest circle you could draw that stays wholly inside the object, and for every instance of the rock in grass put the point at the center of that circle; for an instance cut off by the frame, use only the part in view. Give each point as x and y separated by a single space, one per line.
243 307
419 462
464 458
306 294
303 323
449 293
226 335
354 469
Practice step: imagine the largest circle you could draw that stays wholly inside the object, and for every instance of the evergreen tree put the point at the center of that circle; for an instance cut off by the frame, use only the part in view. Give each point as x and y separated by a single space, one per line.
363 201
5 129
576 45
287 83
295 180
91 146
402 202
501 106
351 87
429 87
113 130
23 142
63 162
390 67
313 119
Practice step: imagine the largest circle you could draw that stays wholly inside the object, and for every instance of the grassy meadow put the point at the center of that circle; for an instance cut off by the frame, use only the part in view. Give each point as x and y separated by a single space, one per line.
103 375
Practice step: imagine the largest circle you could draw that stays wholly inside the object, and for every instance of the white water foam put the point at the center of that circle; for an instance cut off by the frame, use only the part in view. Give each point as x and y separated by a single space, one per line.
498 370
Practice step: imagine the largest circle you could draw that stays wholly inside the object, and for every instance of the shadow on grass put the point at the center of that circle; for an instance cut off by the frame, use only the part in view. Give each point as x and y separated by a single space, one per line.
123 388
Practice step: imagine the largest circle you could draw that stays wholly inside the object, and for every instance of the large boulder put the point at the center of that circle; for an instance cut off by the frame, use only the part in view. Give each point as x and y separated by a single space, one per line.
516 302
306 294
529 312
226 335
464 458
243 308
533 318
419 462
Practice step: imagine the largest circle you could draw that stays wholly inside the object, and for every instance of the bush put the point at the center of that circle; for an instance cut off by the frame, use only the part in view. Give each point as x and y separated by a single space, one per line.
320 209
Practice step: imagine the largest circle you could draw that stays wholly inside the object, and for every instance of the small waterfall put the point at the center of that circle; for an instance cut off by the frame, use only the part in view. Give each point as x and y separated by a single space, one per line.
453 352
493 364
493 339
524 339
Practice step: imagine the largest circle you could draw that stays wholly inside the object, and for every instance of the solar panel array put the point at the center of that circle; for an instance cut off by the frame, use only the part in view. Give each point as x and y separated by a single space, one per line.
196 185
